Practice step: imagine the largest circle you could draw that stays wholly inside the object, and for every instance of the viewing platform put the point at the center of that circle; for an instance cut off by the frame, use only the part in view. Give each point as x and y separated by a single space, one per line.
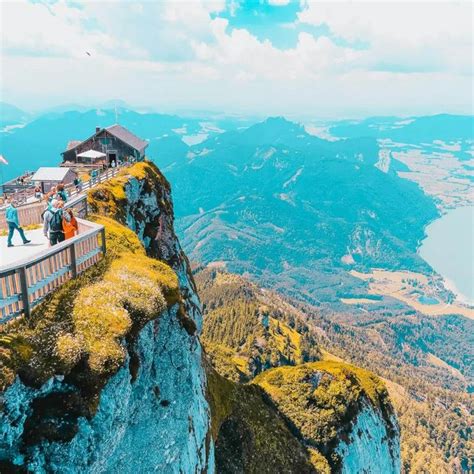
28 273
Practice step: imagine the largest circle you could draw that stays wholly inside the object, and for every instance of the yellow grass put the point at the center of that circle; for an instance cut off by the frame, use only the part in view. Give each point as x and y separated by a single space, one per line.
330 357
241 363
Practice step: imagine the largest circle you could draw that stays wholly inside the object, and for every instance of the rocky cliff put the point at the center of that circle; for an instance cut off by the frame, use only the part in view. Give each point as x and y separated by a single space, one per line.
108 374
136 402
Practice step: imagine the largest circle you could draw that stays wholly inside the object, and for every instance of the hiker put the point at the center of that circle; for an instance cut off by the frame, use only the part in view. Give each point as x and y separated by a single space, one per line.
61 192
93 176
78 184
11 215
53 222
71 227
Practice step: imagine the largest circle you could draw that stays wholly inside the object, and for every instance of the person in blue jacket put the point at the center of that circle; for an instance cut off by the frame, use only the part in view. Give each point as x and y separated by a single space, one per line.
11 216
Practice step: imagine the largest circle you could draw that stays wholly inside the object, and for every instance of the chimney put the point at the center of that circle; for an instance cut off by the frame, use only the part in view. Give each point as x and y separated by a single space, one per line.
97 129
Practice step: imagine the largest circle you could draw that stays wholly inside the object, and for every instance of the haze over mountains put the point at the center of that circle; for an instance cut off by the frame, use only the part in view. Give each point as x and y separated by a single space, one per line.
274 200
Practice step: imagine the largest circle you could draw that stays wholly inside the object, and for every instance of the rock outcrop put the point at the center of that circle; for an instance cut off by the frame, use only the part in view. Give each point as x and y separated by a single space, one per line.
149 413
341 411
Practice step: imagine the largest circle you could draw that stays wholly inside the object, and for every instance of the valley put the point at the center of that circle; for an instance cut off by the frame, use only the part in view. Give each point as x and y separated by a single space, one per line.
439 172
428 392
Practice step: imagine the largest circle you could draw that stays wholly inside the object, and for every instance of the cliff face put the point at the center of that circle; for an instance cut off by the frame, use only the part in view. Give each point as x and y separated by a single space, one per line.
151 413
370 446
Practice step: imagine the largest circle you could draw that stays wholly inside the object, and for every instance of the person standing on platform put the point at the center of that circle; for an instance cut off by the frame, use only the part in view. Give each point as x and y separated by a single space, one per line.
11 215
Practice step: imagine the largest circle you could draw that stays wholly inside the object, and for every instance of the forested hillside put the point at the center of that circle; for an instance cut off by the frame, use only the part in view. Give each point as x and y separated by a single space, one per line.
248 331
435 411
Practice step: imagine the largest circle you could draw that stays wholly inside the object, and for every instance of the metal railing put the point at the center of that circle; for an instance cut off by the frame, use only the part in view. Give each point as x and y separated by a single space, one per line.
26 283
30 214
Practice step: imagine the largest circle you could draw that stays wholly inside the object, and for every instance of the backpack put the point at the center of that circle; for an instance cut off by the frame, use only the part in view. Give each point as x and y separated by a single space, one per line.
56 222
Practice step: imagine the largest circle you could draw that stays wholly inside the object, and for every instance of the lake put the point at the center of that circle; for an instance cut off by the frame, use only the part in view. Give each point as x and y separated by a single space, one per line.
448 248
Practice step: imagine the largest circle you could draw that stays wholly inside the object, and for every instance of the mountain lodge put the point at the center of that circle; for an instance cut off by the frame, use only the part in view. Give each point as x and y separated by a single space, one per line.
108 146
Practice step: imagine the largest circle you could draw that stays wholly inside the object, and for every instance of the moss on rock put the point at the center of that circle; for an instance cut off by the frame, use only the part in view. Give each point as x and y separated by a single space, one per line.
322 400
86 320
110 197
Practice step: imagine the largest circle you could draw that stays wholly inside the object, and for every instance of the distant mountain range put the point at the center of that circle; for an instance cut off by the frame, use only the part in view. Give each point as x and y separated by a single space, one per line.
443 127
11 115
40 141
291 208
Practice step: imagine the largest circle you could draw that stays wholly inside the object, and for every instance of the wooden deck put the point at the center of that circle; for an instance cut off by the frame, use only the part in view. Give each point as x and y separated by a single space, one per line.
35 270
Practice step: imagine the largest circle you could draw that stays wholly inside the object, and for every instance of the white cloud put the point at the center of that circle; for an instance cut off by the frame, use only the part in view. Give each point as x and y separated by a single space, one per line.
239 54
411 35
31 29
175 54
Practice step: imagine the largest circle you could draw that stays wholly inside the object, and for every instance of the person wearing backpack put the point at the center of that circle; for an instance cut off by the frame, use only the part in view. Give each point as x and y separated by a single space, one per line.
78 184
53 222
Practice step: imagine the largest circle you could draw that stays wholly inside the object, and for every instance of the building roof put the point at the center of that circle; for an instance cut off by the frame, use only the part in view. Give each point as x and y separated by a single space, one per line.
127 137
50 174
118 131
72 144
92 154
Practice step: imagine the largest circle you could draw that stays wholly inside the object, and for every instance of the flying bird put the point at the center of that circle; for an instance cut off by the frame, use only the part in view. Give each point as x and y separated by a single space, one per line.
88 54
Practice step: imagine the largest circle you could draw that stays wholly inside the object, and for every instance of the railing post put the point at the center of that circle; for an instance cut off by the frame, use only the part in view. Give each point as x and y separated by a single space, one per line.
72 250
24 291
104 245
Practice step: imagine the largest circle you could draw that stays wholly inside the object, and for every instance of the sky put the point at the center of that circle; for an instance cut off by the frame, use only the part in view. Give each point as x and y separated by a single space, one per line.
306 59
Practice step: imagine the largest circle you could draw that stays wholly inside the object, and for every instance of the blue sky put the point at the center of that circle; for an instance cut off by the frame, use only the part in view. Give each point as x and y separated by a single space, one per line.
296 58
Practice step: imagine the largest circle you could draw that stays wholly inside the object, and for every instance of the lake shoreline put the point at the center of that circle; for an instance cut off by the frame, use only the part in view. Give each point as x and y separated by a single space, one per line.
426 250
